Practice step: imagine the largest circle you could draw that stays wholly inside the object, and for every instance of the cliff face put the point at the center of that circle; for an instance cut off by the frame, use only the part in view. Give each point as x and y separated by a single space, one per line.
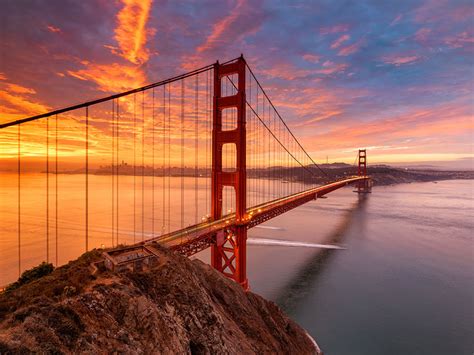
179 306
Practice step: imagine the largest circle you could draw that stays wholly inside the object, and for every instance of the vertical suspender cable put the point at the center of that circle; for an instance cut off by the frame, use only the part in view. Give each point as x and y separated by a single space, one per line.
182 154
169 158
19 200
113 172
143 165
47 189
117 130
196 146
153 162
56 195
134 167
163 162
206 141
87 179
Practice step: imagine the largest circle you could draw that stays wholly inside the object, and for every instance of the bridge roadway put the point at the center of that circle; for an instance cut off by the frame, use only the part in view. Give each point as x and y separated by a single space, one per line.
196 238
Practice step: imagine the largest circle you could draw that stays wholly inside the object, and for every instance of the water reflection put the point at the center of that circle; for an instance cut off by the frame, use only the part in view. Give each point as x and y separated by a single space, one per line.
304 279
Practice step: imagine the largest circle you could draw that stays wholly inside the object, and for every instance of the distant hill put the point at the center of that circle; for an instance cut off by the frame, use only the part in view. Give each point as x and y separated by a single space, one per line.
334 165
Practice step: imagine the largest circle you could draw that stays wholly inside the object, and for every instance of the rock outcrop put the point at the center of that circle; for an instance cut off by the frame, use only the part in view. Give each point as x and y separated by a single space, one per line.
179 306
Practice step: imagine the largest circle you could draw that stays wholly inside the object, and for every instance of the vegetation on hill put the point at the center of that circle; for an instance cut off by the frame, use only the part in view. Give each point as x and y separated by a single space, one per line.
180 306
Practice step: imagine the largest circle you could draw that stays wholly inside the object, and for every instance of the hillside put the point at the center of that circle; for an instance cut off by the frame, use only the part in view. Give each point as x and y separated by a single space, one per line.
179 306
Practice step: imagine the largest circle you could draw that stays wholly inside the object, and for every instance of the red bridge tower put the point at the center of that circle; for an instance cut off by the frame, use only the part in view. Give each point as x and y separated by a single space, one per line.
365 185
229 252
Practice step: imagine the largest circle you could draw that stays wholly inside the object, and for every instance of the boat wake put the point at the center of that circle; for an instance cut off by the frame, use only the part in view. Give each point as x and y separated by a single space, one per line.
290 243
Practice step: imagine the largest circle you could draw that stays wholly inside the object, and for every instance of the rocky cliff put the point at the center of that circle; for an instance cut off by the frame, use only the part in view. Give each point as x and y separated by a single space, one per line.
180 306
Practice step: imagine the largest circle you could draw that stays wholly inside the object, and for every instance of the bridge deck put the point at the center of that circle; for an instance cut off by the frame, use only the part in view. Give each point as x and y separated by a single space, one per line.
198 237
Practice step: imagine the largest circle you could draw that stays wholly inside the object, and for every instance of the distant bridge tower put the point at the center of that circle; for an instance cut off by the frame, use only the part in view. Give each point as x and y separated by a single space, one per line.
365 185
229 252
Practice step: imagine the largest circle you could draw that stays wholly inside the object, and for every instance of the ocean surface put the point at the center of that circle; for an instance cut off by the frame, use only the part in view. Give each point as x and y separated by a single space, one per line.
403 284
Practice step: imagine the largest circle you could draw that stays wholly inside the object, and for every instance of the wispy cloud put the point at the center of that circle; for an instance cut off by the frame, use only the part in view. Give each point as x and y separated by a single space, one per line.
219 29
334 29
17 101
51 28
337 43
396 20
351 49
461 40
332 68
312 58
398 60
131 32
111 77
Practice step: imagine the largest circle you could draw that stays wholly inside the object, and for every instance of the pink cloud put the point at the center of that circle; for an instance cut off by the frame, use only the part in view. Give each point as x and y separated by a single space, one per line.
285 71
461 40
443 12
396 20
345 51
340 41
312 58
332 68
220 28
228 33
53 29
416 126
334 29
398 60
422 34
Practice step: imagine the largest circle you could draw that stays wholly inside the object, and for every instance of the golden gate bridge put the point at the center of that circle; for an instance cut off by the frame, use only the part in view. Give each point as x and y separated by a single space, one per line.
191 162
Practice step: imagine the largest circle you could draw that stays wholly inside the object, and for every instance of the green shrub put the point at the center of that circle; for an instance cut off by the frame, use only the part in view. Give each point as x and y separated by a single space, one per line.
34 273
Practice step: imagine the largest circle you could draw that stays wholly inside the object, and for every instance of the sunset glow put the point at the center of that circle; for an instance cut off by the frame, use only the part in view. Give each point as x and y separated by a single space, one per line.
395 78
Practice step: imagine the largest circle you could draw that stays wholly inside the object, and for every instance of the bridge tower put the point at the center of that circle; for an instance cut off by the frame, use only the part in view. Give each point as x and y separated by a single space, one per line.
363 186
228 253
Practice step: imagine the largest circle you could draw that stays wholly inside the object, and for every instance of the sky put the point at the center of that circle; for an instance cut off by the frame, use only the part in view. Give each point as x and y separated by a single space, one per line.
395 77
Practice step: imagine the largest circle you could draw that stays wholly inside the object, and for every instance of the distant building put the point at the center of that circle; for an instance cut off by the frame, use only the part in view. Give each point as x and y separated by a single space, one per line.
134 258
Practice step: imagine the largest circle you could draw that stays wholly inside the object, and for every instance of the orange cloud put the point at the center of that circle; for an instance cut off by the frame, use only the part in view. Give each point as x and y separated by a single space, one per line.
15 105
131 33
111 77
20 89
337 43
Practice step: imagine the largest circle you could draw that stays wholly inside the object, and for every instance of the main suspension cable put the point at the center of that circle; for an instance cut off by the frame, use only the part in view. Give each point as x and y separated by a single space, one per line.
279 116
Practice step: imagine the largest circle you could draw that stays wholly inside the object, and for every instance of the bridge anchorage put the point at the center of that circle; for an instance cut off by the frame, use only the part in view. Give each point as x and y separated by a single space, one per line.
191 162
